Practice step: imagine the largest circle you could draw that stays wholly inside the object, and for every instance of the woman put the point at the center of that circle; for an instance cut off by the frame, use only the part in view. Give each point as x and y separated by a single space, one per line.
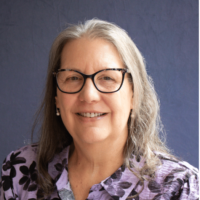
100 131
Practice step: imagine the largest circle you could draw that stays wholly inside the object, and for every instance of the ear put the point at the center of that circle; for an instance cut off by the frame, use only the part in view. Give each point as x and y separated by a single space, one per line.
57 102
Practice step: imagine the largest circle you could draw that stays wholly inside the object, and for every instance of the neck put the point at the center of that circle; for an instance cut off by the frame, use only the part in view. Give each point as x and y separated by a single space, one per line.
104 156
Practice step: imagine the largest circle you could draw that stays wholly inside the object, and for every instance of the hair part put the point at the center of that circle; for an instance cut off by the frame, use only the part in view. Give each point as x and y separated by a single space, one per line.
144 124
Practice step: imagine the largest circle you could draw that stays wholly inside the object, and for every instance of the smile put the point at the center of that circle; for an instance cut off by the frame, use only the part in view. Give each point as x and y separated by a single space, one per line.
91 115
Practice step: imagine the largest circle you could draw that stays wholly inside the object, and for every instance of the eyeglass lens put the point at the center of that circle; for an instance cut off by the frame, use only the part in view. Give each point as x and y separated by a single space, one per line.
105 81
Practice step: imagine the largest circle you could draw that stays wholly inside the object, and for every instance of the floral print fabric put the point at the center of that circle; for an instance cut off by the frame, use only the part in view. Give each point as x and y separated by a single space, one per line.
174 179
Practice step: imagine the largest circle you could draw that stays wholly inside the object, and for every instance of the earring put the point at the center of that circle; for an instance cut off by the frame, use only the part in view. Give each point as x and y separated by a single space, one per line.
131 113
57 111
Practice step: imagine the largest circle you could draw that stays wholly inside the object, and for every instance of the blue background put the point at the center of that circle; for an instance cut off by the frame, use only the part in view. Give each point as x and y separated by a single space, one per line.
166 32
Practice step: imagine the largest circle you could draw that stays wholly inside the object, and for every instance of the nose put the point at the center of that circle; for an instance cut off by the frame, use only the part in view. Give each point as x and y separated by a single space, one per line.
89 93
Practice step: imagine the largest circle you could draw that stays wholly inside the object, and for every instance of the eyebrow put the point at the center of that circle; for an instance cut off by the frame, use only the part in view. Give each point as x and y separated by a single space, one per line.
74 68
77 69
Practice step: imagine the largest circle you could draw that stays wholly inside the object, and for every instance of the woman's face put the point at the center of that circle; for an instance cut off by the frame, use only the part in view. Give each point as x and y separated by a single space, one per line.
89 56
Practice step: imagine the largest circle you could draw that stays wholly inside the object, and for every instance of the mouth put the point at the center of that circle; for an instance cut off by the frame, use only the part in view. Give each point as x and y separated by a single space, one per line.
91 115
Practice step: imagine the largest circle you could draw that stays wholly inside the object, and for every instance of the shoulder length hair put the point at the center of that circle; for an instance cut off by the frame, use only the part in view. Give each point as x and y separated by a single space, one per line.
144 123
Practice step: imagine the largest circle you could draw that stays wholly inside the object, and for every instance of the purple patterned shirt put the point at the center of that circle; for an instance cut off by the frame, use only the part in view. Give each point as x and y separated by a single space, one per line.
174 179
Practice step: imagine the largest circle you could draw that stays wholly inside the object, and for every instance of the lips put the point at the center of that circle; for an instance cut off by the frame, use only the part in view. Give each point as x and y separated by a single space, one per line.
91 115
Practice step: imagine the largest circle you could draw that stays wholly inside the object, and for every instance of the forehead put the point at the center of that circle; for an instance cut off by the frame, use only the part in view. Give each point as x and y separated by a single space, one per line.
90 53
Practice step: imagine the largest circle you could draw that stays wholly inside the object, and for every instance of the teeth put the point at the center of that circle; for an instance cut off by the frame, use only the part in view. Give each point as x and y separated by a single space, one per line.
91 114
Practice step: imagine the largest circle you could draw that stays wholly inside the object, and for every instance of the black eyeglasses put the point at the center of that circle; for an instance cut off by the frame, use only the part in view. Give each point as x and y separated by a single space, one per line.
106 81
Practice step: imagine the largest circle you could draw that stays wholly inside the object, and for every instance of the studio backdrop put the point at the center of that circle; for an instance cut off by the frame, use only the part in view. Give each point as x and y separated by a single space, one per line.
166 33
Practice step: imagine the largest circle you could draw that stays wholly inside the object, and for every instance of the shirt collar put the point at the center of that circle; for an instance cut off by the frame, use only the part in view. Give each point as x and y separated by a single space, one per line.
119 184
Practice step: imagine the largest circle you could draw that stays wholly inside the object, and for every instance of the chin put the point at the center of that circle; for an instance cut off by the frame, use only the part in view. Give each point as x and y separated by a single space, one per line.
91 135
93 138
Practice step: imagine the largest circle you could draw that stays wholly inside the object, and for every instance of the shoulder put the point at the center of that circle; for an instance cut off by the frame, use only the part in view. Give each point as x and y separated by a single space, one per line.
18 169
24 155
176 176
19 173
170 163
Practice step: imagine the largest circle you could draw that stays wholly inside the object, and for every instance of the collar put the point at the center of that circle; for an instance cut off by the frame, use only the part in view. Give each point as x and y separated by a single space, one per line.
119 185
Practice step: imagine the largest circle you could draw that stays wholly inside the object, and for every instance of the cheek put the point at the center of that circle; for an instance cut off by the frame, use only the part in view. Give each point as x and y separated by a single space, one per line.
66 108
121 105
126 103
66 103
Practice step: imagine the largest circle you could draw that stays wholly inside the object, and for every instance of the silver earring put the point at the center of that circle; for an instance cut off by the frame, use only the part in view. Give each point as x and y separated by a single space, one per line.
131 113
57 111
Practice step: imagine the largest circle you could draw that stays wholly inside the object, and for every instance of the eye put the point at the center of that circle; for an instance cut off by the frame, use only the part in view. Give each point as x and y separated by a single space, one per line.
106 78
73 78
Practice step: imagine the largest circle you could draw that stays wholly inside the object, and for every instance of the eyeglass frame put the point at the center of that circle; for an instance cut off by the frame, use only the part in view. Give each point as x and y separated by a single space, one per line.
85 76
